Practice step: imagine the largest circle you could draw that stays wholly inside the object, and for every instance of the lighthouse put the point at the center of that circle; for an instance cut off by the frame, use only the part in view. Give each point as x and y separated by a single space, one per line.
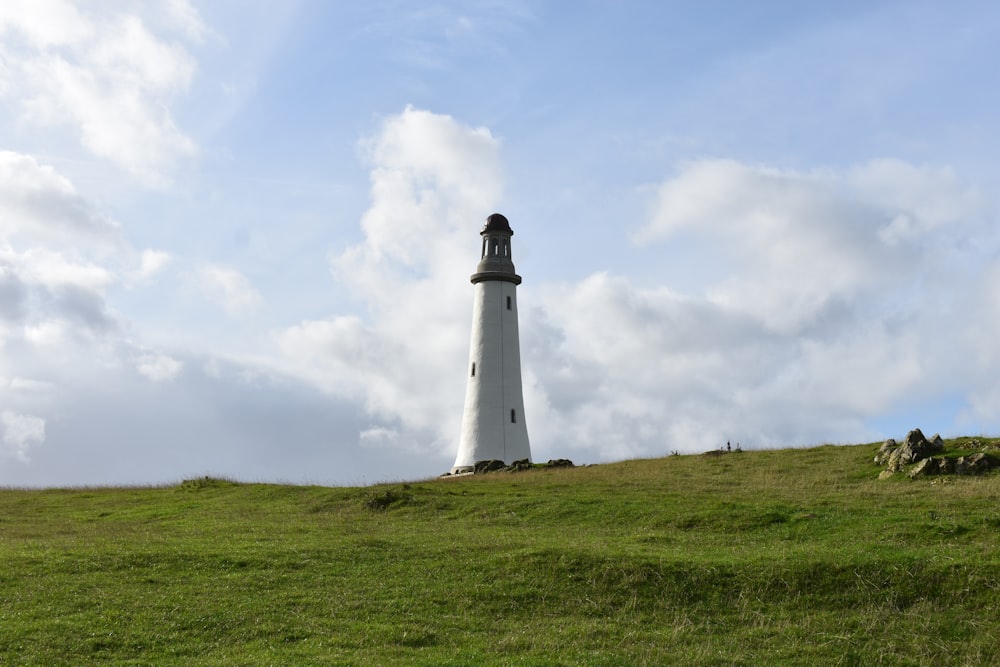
493 423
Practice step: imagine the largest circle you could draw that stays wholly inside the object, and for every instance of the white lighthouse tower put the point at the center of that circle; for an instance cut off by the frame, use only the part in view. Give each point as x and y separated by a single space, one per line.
493 424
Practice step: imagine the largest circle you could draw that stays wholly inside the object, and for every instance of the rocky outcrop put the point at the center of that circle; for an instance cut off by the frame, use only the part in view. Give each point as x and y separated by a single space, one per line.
915 448
921 457
973 464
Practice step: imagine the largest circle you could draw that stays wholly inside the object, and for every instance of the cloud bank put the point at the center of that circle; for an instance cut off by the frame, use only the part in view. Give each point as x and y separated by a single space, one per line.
431 178
824 308
827 305
104 76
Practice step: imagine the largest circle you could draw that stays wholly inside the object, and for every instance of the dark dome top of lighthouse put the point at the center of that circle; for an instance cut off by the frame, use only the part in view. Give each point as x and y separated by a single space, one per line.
497 223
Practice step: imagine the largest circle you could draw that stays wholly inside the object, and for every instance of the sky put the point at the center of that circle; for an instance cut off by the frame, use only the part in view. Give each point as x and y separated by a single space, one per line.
236 236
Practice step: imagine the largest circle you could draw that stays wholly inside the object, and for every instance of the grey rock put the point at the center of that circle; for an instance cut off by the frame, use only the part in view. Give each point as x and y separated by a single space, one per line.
915 448
885 451
488 466
518 466
979 462
973 464
893 464
915 438
945 466
924 467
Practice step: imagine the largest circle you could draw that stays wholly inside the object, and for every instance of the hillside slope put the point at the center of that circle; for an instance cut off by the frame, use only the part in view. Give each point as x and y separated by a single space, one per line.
769 557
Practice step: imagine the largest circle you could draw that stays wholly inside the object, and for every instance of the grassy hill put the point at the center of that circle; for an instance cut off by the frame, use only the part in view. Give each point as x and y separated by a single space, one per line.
767 557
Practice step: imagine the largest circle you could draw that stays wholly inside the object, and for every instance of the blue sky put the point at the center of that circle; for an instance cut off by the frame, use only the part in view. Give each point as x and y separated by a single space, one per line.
235 237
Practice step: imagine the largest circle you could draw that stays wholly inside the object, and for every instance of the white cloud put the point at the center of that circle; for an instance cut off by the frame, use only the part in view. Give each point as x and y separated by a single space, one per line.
336 353
54 270
28 385
13 295
429 173
57 253
391 439
158 367
55 249
791 247
45 23
40 206
433 180
152 262
916 200
20 433
184 16
48 333
229 288
59 256
108 77
977 331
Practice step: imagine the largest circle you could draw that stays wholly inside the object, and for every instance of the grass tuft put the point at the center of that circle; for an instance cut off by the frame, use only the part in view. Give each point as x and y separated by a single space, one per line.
200 483
384 499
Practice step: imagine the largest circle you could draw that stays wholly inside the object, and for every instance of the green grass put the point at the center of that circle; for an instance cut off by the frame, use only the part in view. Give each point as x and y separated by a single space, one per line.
792 557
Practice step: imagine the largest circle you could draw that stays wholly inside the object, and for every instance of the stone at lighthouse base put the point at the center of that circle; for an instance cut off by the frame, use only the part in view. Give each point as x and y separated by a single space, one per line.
483 467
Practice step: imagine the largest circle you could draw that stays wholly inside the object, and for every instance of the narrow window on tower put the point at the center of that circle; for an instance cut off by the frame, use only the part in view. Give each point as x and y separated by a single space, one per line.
513 416
473 369
508 303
